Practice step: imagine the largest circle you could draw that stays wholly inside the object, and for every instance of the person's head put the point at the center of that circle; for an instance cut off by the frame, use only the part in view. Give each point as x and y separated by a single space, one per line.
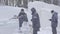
33 10
52 11
22 9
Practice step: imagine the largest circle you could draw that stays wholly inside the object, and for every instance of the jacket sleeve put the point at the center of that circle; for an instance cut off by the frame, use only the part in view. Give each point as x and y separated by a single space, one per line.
25 18
55 17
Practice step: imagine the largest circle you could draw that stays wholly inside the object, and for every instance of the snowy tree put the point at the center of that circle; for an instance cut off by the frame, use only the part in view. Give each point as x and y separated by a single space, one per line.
25 3
15 3
59 2
6 2
0 0
55 2
19 3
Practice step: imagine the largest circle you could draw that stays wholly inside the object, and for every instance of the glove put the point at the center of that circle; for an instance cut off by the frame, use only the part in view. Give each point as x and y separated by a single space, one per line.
49 19
31 19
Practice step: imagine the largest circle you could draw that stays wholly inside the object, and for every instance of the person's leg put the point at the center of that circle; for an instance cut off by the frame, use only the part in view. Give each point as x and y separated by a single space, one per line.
34 31
54 30
20 24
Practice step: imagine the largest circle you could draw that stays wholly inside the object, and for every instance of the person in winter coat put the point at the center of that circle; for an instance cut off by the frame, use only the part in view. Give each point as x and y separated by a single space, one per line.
22 18
54 21
35 21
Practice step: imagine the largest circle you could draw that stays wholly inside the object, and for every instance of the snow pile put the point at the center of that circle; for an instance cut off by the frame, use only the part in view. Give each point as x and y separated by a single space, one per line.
42 5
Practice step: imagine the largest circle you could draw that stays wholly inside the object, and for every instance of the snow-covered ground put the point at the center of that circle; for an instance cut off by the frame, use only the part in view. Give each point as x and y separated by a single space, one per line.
11 26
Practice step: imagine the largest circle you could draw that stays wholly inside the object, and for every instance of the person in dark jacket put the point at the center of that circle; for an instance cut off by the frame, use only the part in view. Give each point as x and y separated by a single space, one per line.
35 21
22 17
54 21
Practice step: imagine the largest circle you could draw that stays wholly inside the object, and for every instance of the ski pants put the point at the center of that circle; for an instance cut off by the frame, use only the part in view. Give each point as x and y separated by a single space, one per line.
54 31
34 31
20 23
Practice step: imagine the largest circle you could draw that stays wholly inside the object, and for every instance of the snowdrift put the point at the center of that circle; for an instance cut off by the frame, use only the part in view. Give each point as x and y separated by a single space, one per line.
42 5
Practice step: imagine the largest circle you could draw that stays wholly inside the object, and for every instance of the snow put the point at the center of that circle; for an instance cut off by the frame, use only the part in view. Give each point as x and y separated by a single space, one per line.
43 9
8 25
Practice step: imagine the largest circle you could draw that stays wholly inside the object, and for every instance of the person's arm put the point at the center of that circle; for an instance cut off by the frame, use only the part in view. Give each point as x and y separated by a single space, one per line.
20 15
26 18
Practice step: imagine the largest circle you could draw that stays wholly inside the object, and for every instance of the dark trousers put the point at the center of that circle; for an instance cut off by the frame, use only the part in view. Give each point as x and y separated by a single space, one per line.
20 23
34 31
54 31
